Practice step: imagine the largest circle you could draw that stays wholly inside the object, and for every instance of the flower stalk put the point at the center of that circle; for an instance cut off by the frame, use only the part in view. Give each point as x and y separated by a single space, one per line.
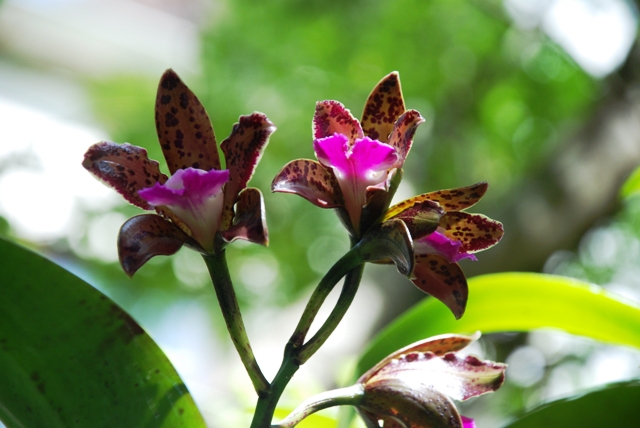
217 265
350 266
349 396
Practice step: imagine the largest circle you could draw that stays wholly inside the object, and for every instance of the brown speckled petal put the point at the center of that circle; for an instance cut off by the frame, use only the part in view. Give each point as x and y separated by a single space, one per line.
249 222
124 167
458 199
243 150
438 345
383 107
404 129
184 129
422 218
443 280
476 232
145 236
331 117
311 180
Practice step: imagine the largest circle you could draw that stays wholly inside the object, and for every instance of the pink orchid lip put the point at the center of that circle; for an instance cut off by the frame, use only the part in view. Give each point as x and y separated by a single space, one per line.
468 422
195 196
356 167
438 243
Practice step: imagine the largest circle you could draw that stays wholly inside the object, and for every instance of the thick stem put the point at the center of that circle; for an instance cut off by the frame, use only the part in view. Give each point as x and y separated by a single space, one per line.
267 403
351 395
217 265
349 289
349 261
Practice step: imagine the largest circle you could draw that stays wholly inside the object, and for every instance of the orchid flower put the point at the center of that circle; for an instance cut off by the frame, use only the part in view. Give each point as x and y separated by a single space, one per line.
458 236
359 161
359 168
414 386
200 205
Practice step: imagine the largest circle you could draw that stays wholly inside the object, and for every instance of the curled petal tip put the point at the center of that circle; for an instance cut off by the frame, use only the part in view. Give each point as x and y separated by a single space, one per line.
145 236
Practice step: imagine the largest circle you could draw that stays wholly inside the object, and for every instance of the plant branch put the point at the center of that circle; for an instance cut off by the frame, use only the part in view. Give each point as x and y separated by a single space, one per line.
217 265
337 397
349 261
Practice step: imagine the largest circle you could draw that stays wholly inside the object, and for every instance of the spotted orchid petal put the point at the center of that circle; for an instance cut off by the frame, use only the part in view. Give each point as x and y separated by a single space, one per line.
243 150
145 236
460 198
404 129
475 232
184 129
436 276
455 376
365 163
413 387
438 345
422 218
124 167
311 180
456 199
249 222
383 107
195 196
331 117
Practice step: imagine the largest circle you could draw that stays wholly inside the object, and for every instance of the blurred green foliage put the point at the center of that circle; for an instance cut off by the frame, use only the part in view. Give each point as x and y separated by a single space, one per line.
497 101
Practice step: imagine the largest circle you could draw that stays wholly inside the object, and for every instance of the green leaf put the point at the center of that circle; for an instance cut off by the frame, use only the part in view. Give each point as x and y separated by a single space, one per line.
70 357
516 302
316 420
615 405
632 184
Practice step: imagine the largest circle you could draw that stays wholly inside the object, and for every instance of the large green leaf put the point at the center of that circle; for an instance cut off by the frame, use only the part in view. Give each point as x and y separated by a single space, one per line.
70 357
632 184
516 302
615 405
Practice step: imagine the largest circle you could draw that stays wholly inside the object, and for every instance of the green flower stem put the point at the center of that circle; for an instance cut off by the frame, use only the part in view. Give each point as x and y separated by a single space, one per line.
349 261
349 289
351 395
351 265
217 265
267 403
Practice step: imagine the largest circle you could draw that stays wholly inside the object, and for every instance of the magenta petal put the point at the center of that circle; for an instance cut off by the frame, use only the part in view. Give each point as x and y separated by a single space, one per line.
468 422
437 243
186 187
366 163
369 157
333 152
195 197
366 159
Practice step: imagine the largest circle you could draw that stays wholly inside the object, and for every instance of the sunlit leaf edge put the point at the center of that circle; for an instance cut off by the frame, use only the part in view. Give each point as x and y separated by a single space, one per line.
516 302
631 185
609 405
